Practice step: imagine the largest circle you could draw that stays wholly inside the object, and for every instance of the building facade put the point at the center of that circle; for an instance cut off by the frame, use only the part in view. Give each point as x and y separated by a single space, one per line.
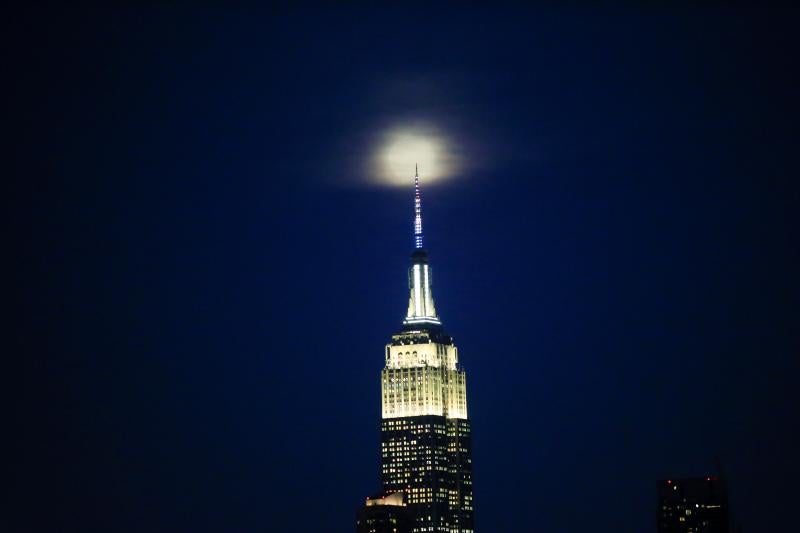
384 514
694 505
425 431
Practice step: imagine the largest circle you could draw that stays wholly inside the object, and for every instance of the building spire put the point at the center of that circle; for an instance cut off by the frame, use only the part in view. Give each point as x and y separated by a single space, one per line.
420 302
417 211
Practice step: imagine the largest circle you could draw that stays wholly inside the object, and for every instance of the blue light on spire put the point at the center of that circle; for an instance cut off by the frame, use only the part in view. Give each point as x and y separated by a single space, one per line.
417 211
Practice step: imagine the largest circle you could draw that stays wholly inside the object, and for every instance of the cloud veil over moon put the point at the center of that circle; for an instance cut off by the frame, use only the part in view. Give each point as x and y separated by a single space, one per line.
401 147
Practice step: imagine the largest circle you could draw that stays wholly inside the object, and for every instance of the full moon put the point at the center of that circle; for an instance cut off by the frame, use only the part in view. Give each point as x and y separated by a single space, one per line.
404 147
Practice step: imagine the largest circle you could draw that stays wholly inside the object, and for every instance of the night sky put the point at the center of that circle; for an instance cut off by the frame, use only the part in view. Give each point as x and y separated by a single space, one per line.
203 277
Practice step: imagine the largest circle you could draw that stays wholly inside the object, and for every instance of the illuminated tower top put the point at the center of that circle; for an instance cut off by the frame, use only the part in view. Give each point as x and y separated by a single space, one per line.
426 437
421 310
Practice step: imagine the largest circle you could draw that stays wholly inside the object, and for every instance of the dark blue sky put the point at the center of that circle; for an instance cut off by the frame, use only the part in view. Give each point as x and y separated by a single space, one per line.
201 289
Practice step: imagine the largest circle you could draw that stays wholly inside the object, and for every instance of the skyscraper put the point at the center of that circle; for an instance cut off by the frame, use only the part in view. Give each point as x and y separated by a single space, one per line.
425 433
694 505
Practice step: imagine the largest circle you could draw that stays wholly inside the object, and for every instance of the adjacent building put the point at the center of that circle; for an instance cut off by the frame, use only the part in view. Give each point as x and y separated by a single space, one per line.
384 514
694 505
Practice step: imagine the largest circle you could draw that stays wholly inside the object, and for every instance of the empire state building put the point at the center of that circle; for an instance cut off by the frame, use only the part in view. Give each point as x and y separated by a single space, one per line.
426 464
